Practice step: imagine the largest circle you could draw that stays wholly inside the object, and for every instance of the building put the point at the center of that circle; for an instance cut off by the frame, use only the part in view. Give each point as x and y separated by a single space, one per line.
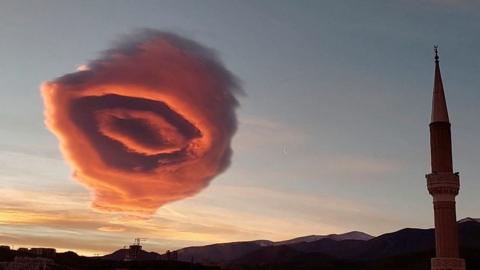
443 184
28 263
134 250
43 252
171 255
38 252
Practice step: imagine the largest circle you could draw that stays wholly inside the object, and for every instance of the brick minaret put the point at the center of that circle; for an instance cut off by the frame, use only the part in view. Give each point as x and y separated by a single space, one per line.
443 184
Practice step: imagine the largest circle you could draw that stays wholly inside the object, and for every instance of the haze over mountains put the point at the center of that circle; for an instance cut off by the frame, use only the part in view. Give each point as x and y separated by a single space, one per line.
228 251
355 235
408 248
343 251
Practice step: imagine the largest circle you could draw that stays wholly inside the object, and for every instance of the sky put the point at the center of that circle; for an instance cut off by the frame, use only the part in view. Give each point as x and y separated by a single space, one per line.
333 126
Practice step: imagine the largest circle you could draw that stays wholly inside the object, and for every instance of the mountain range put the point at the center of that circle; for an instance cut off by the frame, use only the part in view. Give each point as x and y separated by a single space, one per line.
224 252
407 248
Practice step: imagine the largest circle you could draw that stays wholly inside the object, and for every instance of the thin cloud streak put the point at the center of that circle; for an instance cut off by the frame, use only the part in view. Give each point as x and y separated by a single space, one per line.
202 220
257 132
220 214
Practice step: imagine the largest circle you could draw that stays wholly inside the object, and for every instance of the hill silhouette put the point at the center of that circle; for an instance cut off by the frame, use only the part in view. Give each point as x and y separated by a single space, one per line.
416 246
224 252
142 255
404 249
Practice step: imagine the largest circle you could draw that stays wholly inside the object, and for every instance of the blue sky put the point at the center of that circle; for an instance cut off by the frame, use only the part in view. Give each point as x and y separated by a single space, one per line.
333 132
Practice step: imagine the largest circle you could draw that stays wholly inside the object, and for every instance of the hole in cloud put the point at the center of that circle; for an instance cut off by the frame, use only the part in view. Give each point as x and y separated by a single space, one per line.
148 123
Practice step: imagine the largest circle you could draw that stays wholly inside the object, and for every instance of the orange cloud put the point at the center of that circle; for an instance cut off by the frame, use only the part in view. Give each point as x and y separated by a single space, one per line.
148 123
112 229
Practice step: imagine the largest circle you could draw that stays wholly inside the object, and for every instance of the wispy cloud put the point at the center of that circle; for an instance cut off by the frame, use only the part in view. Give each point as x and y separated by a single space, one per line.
257 132
112 229
45 215
360 165
68 223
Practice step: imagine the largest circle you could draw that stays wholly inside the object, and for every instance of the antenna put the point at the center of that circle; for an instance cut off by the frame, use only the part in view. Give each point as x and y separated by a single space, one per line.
138 241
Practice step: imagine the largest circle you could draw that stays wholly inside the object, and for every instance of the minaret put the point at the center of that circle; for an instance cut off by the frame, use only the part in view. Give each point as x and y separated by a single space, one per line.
443 184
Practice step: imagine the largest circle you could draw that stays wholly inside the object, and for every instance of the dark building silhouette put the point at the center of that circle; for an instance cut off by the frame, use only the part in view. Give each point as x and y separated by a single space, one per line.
43 252
134 250
29 263
171 255
38 252
443 184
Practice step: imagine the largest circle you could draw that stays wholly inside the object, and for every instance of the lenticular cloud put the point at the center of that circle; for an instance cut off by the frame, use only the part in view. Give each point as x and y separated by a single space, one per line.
148 123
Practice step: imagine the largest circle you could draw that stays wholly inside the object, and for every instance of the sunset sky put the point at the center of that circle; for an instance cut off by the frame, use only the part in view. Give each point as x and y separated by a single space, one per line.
333 128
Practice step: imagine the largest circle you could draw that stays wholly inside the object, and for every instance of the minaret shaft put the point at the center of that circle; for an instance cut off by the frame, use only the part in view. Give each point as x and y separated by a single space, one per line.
446 236
441 147
442 183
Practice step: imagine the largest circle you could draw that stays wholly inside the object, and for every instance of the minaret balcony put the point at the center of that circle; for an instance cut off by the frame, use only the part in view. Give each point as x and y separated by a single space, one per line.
443 183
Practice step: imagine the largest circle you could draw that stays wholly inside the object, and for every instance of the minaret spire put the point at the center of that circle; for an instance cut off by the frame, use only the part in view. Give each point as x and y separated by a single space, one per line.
439 105
443 184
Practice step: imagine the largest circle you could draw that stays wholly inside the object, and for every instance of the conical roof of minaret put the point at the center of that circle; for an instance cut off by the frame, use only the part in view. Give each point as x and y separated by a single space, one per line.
439 104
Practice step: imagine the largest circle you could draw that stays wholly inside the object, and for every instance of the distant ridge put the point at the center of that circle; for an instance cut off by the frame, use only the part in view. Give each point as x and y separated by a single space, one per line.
351 246
407 248
355 235
223 252
467 219
143 255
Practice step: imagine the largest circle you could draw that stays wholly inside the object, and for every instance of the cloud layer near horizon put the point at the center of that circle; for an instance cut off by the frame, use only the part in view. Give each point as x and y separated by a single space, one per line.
148 123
